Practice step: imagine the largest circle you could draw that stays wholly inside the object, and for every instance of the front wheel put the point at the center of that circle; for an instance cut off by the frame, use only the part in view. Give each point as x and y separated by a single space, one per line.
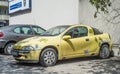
48 57
8 48
104 52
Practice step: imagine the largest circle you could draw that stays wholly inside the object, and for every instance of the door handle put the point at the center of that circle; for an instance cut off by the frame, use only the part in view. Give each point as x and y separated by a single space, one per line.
87 39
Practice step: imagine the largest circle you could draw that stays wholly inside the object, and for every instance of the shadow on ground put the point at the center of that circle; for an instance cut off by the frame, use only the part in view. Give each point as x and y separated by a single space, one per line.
91 65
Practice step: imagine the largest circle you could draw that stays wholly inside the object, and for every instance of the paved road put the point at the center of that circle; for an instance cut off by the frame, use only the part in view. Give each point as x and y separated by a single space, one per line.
72 66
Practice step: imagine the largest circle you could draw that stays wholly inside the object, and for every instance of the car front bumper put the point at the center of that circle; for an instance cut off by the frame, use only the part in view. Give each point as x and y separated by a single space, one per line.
27 57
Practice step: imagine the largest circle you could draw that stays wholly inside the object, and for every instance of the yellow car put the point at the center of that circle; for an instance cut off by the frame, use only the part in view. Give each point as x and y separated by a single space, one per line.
63 42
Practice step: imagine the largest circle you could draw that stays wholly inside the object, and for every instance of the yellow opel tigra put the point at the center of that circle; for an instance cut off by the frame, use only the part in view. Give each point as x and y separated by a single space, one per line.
63 42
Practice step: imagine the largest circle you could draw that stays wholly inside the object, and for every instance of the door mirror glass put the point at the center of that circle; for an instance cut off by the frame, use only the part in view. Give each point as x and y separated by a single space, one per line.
66 37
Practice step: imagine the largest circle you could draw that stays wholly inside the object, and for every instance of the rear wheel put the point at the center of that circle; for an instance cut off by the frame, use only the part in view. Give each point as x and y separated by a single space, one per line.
48 57
104 52
8 48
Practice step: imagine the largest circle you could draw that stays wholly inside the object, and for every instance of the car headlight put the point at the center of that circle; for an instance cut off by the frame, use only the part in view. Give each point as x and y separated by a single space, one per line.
27 48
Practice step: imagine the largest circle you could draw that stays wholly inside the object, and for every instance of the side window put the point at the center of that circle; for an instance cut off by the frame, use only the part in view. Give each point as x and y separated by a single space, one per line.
17 30
37 30
77 32
56 31
26 30
96 31
73 32
83 31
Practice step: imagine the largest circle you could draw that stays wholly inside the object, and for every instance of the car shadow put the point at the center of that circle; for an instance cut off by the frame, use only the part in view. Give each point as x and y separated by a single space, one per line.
27 64
68 61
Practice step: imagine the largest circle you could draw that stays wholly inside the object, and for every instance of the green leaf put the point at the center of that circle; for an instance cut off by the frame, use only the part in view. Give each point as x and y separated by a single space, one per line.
102 9
100 5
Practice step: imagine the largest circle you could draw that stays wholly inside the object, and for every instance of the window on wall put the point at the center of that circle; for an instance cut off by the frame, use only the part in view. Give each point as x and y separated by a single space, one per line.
0 10
6 11
3 11
4 0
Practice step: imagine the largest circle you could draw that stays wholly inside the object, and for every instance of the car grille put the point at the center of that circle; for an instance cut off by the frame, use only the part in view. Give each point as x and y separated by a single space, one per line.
15 53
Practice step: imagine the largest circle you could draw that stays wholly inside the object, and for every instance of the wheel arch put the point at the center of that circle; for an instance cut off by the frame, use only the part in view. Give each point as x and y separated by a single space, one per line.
50 47
12 41
110 48
104 43
41 59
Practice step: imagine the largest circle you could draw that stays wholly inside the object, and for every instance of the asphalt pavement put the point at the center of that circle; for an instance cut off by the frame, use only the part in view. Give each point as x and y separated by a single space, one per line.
88 65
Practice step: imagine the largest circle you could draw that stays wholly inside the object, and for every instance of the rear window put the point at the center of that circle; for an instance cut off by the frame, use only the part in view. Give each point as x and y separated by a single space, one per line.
97 32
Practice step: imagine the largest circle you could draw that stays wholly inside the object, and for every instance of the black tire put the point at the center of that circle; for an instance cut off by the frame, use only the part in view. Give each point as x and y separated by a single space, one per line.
48 57
1 50
8 48
104 52
111 53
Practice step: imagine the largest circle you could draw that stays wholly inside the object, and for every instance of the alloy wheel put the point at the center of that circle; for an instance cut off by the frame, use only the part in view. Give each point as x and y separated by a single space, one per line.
48 57
8 48
104 52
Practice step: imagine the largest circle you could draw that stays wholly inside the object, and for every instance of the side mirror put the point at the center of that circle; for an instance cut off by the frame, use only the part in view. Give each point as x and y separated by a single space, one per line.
66 37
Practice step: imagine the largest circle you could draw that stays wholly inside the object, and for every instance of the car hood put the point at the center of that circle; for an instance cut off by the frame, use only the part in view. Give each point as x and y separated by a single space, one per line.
35 41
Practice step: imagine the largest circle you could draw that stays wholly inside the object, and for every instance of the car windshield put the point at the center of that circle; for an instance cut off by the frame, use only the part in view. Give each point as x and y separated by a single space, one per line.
55 31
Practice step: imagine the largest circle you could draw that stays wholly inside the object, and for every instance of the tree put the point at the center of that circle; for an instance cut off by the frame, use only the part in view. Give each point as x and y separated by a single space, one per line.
101 6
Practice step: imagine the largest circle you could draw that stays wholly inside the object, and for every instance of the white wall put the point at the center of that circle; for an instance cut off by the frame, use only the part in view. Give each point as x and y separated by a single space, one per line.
109 23
49 13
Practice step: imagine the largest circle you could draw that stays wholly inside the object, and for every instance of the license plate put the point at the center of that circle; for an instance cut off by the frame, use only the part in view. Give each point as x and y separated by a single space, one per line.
14 53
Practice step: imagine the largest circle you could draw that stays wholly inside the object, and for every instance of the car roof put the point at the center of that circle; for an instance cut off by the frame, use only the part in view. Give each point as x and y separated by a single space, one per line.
74 25
23 25
79 25
16 25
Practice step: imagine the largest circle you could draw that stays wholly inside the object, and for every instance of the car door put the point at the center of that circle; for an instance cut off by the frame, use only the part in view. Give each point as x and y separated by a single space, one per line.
94 41
22 32
88 45
77 45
